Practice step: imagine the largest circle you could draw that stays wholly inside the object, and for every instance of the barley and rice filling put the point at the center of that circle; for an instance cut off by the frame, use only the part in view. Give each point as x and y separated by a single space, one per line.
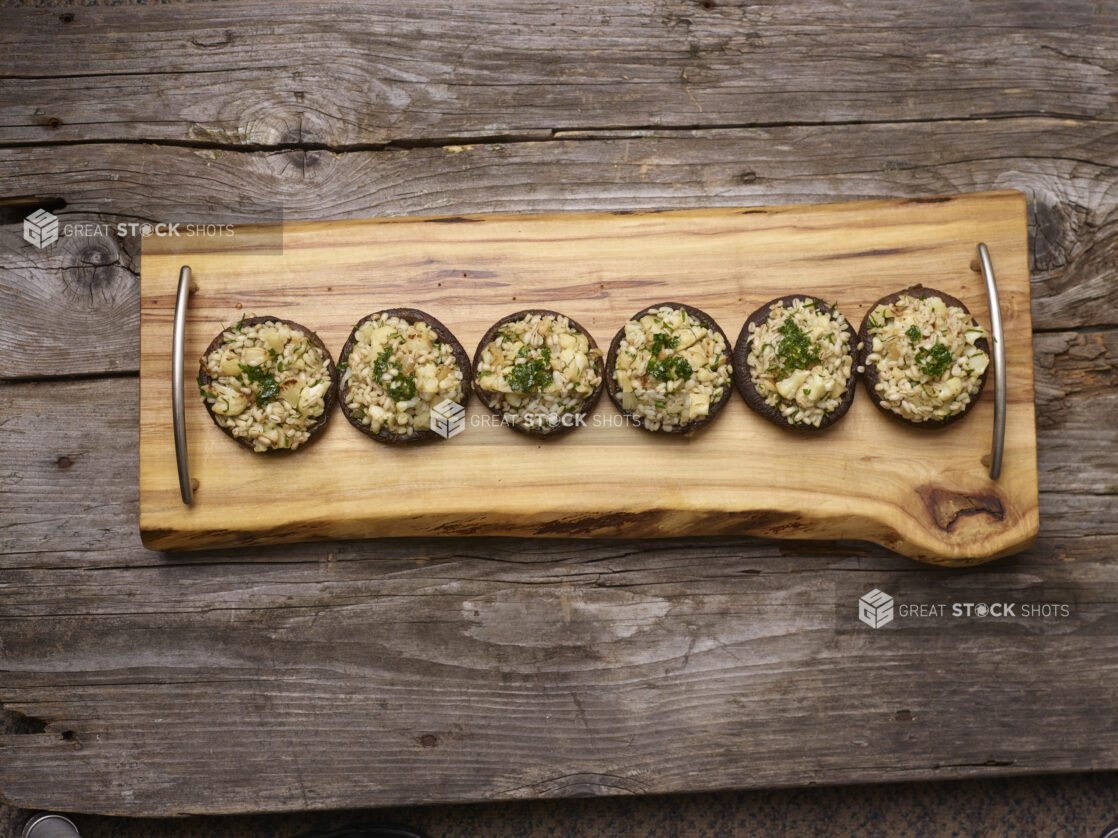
268 384
800 360
539 371
924 351
396 371
671 368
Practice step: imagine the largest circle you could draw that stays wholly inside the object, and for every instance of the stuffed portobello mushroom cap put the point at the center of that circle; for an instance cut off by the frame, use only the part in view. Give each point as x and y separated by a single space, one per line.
538 378
802 380
268 383
424 365
929 384
670 349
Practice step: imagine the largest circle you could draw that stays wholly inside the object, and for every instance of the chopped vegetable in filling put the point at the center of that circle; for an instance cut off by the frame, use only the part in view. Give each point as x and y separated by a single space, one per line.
800 360
539 371
268 384
924 351
396 371
671 368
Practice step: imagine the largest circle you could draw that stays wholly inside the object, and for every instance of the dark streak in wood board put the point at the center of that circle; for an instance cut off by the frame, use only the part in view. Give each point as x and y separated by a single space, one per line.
931 199
882 251
947 507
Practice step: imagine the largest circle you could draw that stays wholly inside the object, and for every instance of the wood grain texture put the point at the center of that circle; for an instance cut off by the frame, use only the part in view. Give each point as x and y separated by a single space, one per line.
366 673
375 73
350 674
933 503
1068 170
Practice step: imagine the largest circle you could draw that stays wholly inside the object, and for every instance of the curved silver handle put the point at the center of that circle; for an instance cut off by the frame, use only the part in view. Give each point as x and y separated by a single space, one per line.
178 399
997 336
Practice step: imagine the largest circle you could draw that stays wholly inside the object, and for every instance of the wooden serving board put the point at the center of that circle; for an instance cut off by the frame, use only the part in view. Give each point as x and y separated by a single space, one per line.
923 493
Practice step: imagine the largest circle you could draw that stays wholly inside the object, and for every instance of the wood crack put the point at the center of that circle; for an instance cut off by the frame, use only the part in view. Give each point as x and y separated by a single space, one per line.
567 134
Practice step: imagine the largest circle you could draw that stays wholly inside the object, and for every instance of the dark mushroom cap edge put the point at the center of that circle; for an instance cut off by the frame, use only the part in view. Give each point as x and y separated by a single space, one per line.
748 389
486 397
869 374
411 315
611 363
329 398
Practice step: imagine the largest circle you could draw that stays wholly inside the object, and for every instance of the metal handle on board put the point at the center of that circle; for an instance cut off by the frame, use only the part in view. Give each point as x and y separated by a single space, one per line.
178 399
997 337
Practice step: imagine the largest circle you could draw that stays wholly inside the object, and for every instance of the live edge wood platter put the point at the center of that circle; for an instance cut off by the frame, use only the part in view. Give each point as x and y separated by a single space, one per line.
925 493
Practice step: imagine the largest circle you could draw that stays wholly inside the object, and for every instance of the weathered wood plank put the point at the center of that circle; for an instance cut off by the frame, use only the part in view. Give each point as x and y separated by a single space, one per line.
621 697
483 680
275 73
1069 170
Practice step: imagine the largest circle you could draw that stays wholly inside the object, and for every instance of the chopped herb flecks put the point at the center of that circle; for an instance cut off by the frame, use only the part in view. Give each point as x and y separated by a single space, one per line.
661 341
669 368
666 369
399 387
934 362
796 351
533 375
267 386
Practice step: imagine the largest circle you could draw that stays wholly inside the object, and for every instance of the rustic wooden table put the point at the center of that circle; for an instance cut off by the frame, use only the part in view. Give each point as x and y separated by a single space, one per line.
383 672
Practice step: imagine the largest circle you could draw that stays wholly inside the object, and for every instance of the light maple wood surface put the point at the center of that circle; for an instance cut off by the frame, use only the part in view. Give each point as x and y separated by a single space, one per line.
924 493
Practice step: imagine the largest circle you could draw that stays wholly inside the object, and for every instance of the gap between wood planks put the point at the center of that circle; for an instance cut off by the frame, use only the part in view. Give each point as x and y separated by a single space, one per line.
567 134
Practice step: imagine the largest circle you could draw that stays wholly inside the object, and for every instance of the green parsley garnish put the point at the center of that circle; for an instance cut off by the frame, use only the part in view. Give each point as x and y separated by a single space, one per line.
661 341
531 376
267 386
796 351
935 361
380 365
665 369
669 368
913 334
399 387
